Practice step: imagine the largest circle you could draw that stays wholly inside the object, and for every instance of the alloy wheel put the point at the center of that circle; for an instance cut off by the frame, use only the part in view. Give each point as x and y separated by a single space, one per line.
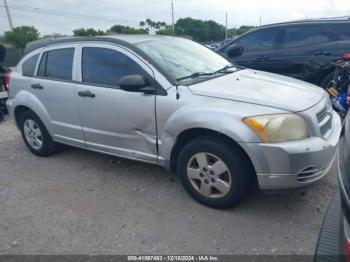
209 175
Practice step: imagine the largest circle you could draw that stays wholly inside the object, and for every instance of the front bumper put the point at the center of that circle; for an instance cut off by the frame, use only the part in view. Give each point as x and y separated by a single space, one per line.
296 164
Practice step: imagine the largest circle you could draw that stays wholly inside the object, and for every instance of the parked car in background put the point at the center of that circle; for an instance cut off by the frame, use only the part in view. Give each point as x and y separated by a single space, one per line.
301 49
173 102
4 81
334 239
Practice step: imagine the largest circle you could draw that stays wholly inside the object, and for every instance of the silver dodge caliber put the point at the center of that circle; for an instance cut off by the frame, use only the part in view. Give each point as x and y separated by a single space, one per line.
173 102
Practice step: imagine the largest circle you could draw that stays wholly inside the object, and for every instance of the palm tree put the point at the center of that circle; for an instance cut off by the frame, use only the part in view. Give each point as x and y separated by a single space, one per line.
149 23
157 25
142 24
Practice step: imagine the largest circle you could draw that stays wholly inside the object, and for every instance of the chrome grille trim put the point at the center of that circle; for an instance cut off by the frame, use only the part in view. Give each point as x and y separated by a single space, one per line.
324 118
322 114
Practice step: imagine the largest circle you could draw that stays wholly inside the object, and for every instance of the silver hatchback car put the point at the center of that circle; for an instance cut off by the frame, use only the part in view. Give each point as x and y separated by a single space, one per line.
173 102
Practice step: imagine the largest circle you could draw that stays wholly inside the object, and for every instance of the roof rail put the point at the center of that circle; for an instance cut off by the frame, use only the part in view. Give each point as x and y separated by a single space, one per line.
324 19
338 18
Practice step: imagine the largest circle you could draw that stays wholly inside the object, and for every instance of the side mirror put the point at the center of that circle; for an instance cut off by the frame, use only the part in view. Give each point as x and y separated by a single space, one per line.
132 83
235 51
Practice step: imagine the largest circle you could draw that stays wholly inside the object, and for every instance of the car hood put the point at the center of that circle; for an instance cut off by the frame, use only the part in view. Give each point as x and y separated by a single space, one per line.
263 89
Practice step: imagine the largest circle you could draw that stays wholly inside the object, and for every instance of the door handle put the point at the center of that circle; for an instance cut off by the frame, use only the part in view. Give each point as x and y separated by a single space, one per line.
36 86
262 58
322 53
86 94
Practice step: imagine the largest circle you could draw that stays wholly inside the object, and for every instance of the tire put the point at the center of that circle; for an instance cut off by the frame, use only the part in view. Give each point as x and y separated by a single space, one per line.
226 188
327 80
32 127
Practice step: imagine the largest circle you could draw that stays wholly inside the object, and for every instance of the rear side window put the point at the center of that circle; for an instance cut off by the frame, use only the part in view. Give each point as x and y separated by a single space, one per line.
303 35
339 31
57 64
104 66
258 40
28 67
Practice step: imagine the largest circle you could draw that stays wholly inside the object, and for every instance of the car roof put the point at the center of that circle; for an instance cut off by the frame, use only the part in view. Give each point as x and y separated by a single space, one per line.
126 40
332 20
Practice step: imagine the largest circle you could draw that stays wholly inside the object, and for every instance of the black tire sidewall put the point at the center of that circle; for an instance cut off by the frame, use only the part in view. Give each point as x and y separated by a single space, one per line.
48 145
241 174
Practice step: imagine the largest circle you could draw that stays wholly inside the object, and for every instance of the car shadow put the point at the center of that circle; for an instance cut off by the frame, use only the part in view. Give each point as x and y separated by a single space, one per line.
315 197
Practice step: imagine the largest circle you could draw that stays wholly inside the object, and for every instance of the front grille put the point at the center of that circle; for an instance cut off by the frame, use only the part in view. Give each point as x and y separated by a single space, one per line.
322 114
324 118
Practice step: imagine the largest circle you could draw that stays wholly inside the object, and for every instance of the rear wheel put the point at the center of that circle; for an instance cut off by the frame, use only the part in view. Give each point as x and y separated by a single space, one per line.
36 136
214 173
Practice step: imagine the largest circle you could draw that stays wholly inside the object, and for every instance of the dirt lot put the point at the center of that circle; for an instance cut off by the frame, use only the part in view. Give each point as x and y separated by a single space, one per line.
79 202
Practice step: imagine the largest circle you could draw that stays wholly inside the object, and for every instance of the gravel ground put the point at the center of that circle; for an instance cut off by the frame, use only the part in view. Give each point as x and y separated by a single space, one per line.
80 202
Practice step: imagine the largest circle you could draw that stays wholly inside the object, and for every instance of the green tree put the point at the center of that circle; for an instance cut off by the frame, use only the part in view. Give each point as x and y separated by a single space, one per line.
121 29
167 30
200 30
21 35
54 35
243 29
88 32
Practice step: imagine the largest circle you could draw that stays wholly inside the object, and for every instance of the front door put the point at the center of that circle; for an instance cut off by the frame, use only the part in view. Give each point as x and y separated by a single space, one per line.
257 50
113 120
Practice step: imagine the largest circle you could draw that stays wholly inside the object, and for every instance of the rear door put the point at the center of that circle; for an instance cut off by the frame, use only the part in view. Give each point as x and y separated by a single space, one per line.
113 120
340 33
304 49
55 88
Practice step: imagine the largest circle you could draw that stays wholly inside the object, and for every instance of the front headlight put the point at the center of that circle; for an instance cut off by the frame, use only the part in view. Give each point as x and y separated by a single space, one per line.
278 128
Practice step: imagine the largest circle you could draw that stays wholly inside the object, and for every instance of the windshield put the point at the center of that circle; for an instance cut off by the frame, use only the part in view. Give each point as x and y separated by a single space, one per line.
185 60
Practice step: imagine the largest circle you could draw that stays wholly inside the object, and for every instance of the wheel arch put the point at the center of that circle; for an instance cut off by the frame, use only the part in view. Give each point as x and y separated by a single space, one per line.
193 133
26 101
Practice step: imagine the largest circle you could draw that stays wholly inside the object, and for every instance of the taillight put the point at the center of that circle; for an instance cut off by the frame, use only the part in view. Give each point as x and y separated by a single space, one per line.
347 249
7 78
346 56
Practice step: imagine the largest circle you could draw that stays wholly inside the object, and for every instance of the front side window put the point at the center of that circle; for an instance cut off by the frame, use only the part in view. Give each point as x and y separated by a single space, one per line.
104 66
295 36
57 64
258 40
28 67
179 58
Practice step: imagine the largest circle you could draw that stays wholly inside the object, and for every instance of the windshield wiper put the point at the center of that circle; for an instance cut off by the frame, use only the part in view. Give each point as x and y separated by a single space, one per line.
224 69
198 74
194 75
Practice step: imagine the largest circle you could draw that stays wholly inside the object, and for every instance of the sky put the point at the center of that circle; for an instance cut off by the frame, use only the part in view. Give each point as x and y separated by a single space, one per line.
62 16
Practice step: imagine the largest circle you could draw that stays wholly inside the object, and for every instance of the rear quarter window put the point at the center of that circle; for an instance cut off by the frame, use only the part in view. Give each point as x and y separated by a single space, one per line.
339 31
28 67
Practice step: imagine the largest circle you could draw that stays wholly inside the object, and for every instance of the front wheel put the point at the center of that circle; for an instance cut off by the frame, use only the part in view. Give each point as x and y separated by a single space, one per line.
214 173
